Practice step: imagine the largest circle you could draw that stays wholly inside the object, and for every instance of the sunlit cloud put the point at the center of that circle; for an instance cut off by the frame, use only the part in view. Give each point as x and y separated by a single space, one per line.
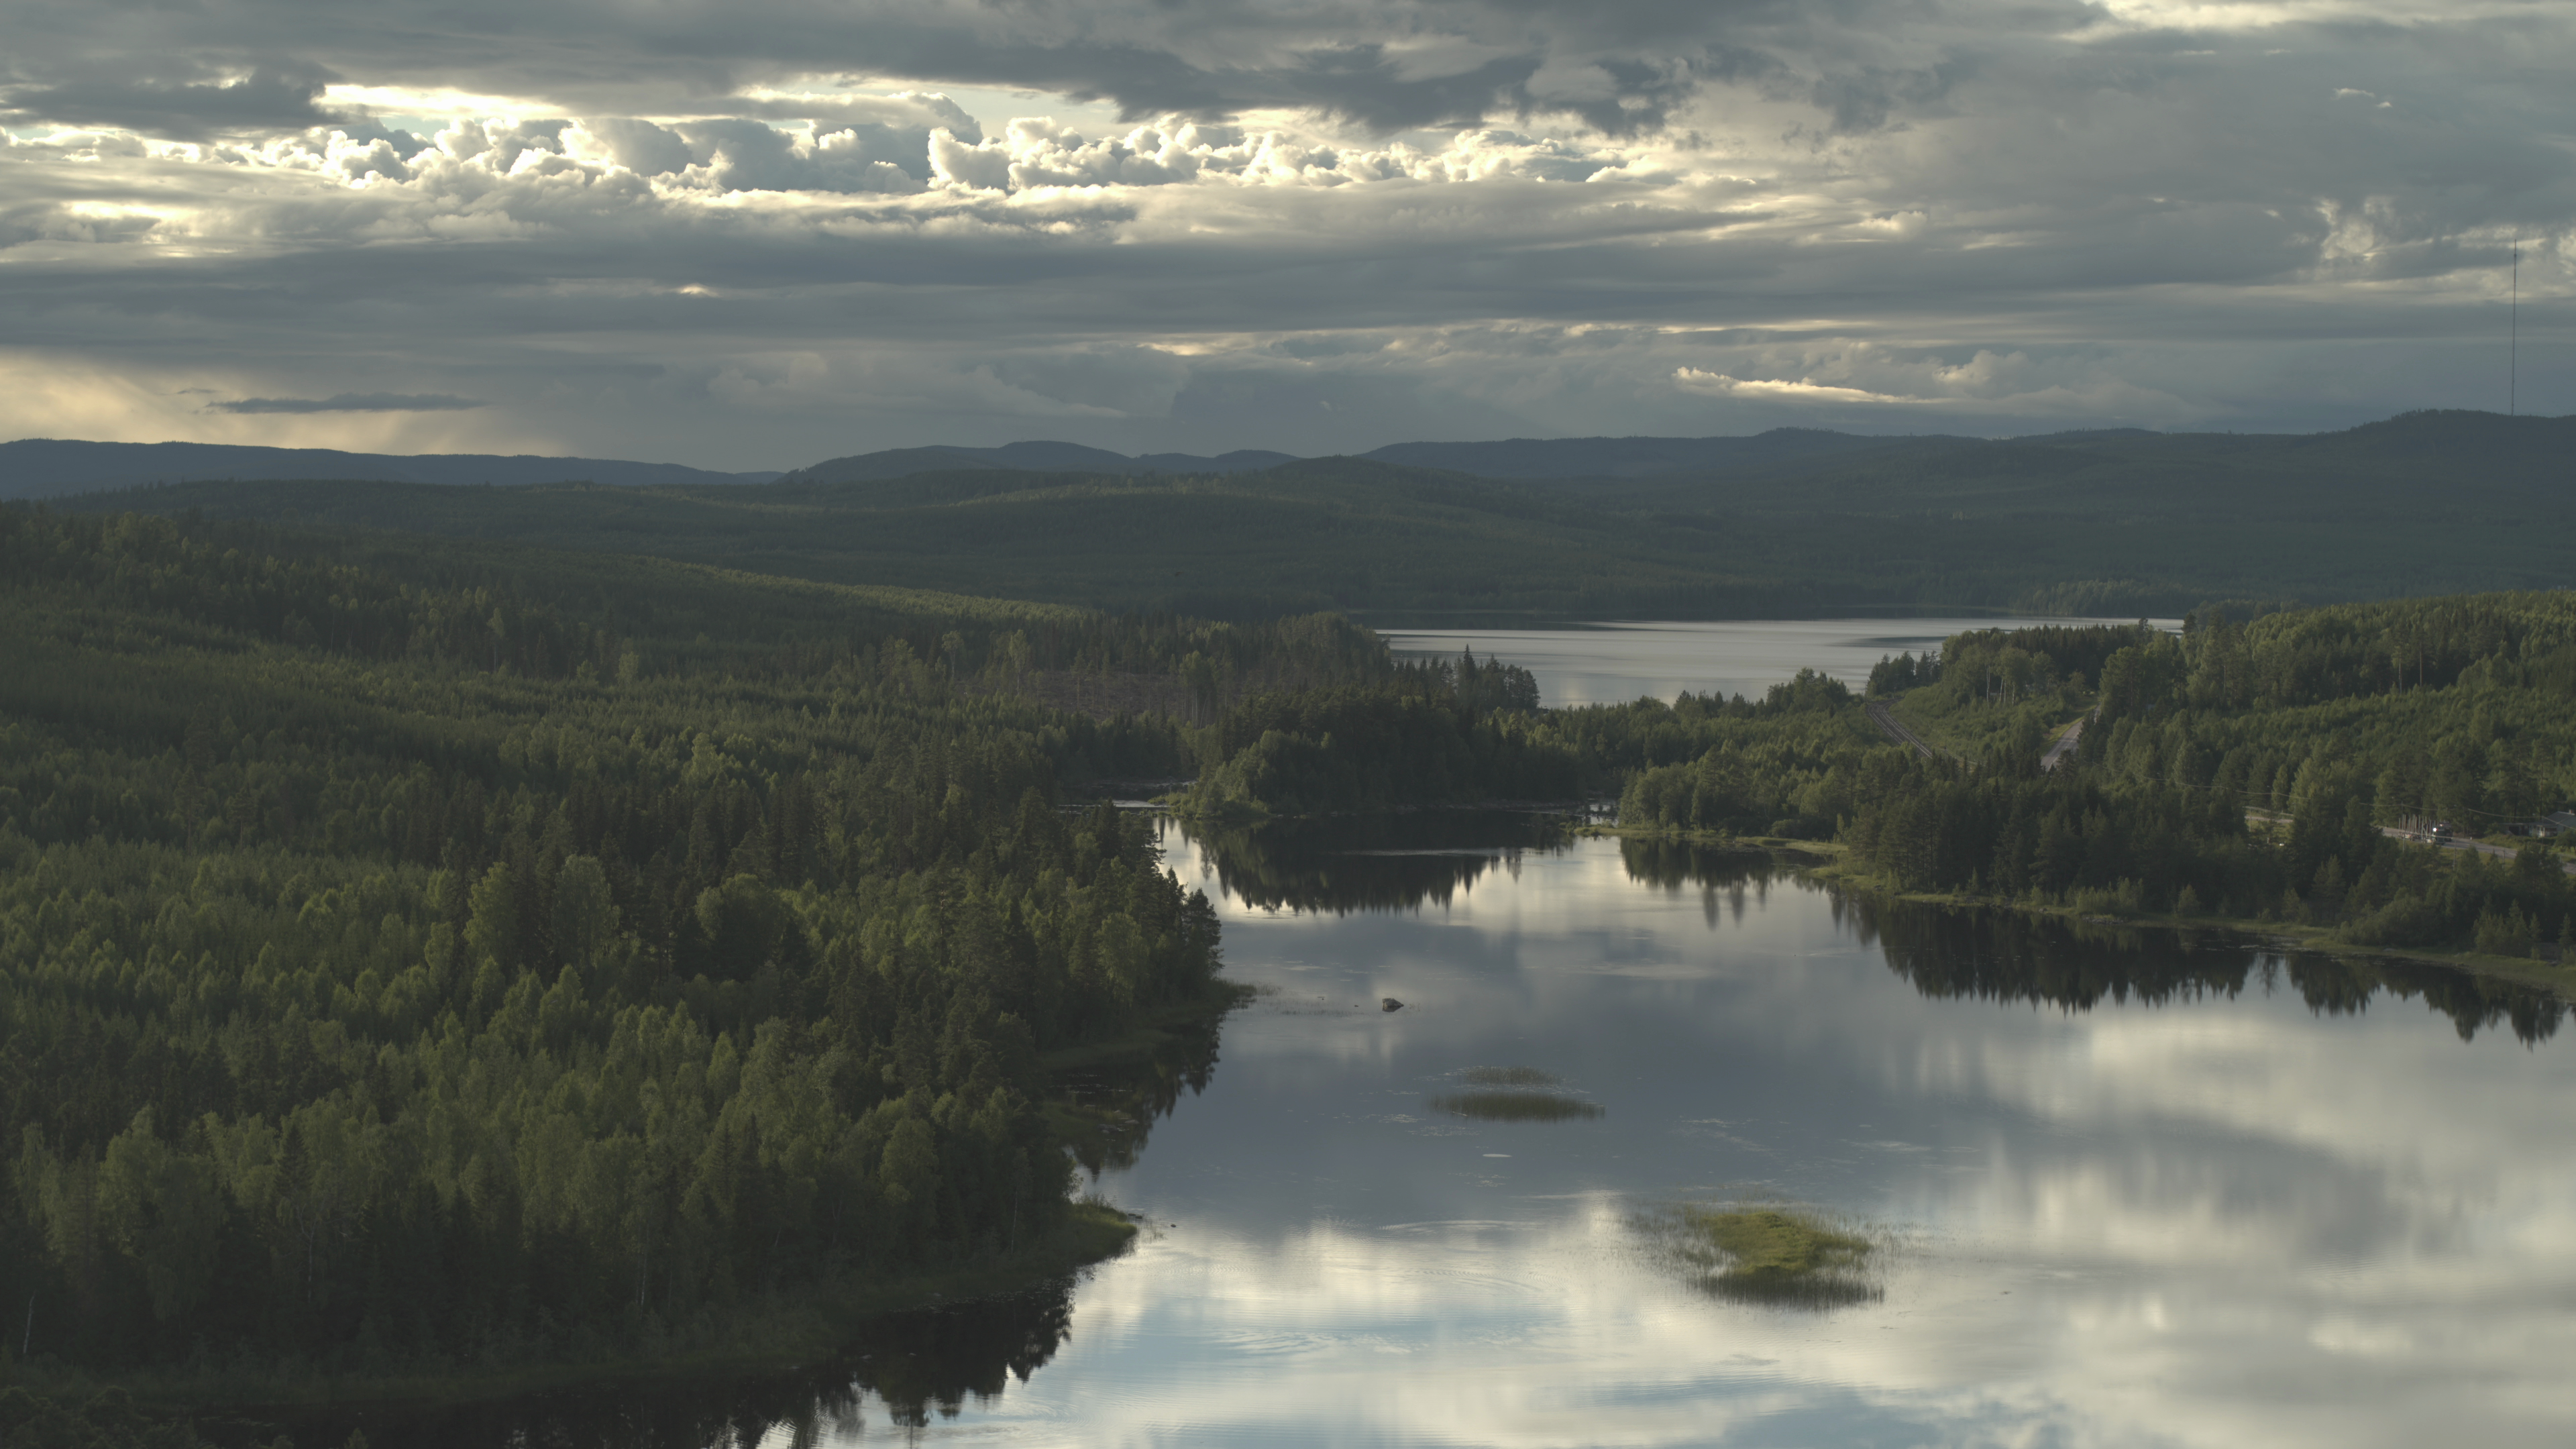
1718 384
1355 227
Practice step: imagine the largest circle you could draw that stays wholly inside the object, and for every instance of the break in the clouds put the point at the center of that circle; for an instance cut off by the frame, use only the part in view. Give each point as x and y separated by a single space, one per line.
755 234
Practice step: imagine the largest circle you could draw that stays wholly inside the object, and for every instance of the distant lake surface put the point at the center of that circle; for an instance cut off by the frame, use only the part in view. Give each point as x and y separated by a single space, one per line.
2124 1187
1616 663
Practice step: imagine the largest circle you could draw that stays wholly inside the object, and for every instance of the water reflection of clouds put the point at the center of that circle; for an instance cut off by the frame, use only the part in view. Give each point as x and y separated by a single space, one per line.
1505 1333
2210 1221
2214 1220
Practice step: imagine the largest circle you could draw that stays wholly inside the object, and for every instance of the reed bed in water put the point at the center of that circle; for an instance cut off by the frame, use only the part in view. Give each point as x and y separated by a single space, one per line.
1514 1094
1773 1254
1516 1106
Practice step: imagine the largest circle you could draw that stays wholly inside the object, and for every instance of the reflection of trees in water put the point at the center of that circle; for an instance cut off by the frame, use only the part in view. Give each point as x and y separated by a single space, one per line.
1731 879
918 1362
915 1364
1343 864
2471 1002
2006 956
1110 1107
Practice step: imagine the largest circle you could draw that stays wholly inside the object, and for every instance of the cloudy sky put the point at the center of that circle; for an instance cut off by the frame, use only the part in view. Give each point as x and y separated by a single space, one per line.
756 233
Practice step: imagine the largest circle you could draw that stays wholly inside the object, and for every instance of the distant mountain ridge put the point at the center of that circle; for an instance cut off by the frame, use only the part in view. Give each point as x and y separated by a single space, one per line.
1033 457
1531 458
2084 522
1511 458
53 467
2533 449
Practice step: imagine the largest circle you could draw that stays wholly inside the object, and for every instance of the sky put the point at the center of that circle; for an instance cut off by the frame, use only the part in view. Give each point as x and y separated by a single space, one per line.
760 233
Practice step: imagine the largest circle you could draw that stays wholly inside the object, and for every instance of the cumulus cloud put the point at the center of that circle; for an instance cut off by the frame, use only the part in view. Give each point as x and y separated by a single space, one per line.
907 112
751 236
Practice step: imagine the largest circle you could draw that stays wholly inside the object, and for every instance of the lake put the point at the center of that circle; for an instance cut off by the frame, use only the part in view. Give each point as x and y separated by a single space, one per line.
1616 663
2122 1187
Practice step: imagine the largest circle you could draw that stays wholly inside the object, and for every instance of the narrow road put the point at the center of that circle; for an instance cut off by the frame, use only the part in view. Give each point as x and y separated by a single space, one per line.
2065 745
1886 721
2392 832
2449 843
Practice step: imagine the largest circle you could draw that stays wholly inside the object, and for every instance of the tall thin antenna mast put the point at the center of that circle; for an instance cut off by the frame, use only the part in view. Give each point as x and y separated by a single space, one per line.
2513 337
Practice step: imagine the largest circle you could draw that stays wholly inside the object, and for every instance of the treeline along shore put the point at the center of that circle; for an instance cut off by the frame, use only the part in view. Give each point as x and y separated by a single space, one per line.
432 961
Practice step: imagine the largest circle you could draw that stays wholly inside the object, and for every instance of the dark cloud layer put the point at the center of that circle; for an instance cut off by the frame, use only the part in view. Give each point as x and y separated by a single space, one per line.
271 97
349 402
748 235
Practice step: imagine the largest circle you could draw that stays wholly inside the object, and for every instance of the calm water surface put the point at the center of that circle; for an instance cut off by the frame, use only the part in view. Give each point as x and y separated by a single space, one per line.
2132 1187
2139 1189
1615 663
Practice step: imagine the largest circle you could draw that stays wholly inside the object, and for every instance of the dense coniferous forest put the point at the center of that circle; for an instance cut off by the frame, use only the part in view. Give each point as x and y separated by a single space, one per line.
1433 734
411 975
2284 768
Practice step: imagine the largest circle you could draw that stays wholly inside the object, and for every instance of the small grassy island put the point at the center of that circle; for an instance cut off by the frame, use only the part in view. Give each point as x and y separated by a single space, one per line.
1773 1254
1514 1094
1517 1107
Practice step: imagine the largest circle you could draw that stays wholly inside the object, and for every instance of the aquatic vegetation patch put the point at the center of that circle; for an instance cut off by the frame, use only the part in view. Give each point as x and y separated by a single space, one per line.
1517 1106
1773 1254
1509 1077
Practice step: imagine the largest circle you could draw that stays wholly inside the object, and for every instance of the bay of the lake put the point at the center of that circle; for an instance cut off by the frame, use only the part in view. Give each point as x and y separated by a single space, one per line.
2121 1187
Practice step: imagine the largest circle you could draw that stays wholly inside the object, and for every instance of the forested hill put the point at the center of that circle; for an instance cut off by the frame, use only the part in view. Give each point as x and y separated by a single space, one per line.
49 467
1029 457
2102 524
2472 461
452 959
1560 458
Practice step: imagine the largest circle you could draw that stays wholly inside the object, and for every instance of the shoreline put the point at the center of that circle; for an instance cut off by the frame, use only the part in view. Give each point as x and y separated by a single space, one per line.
773 1333
1221 997
1827 863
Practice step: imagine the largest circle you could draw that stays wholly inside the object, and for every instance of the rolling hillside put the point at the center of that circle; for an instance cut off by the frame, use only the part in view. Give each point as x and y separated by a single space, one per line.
2104 524
52 467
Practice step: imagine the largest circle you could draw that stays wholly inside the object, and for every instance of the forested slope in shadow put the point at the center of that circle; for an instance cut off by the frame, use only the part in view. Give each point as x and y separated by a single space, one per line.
2119 524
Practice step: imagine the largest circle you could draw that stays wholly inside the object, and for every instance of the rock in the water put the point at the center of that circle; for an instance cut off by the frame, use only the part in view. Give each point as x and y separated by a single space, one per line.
1389 1003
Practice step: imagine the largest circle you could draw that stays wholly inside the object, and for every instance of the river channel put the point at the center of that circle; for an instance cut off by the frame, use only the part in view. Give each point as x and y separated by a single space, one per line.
2124 1187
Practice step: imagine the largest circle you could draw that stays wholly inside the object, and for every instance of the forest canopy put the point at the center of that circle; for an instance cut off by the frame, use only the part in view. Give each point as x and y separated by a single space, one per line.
406 963
2282 768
